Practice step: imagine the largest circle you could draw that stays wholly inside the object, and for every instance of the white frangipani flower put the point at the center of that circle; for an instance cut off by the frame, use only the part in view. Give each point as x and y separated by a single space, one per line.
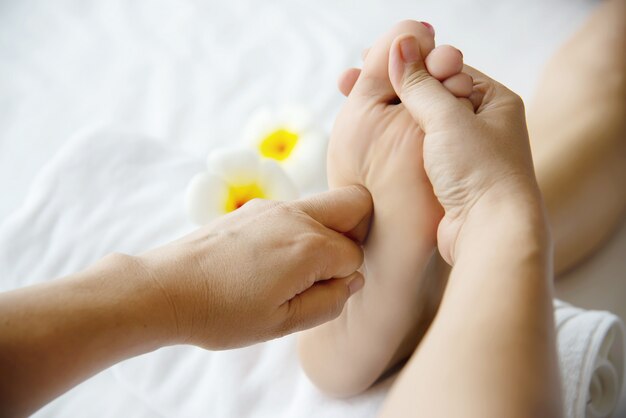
289 137
233 177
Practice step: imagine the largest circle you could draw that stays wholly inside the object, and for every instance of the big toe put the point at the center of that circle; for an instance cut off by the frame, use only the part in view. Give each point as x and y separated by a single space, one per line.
430 103
374 81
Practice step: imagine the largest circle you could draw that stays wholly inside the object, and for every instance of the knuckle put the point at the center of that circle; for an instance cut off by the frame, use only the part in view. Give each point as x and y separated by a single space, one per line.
517 103
414 81
352 253
357 193
292 319
313 242
288 209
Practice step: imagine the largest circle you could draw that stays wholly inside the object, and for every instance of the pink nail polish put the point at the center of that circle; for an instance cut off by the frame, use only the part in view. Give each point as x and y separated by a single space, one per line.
430 27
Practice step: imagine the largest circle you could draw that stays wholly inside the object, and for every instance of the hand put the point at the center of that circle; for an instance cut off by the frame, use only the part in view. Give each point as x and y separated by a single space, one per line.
476 150
477 157
263 271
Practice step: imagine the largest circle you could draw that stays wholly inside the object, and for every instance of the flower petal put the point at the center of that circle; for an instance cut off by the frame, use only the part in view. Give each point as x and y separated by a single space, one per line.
261 123
276 182
294 118
234 165
306 165
205 197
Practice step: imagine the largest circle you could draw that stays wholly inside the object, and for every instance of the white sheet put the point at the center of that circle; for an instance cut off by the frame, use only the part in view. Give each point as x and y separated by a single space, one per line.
115 192
187 73
110 191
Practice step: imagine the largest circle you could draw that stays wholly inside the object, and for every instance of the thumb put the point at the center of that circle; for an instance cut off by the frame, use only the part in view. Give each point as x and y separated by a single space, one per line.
427 100
321 303
345 210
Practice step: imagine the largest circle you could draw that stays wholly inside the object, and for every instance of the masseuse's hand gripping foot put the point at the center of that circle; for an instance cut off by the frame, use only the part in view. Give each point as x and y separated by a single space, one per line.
260 272
497 303
376 143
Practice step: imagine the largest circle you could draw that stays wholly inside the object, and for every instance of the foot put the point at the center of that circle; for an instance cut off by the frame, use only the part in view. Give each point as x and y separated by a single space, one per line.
376 143
577 124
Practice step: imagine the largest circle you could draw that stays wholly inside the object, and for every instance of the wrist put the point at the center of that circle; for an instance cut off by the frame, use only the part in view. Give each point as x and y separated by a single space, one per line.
127 292
514 221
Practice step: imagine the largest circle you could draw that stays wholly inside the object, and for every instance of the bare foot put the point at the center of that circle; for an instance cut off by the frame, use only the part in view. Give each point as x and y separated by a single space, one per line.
376 143
577 125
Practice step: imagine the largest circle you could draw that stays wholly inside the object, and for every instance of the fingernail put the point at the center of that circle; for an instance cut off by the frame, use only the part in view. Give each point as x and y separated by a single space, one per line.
355 285
460 52
409 50
430 27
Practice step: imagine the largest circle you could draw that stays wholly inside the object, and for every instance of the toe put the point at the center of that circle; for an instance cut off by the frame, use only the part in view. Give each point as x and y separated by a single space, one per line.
374 79
460 84
430 104
347 79
444 61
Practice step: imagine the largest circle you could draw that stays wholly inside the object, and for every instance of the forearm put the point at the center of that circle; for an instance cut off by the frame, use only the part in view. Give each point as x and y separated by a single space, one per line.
57 334
491 350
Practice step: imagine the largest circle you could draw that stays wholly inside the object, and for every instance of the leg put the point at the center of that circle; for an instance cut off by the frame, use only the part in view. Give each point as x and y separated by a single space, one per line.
577 126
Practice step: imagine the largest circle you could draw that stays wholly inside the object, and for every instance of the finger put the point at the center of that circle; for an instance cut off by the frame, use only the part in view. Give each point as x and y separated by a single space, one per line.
359 232
321 303
347 80
461 85
431 105
341 209
486 92
476 99
340 256
374 80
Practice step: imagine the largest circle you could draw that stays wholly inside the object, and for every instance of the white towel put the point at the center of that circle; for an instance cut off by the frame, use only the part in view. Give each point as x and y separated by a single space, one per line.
591 353
111 192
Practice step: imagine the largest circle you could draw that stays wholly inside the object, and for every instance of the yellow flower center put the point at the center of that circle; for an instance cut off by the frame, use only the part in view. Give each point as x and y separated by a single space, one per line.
240 194
279 144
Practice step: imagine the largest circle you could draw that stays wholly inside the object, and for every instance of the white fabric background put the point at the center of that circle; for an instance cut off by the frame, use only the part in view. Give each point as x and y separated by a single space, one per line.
109 191
187 74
